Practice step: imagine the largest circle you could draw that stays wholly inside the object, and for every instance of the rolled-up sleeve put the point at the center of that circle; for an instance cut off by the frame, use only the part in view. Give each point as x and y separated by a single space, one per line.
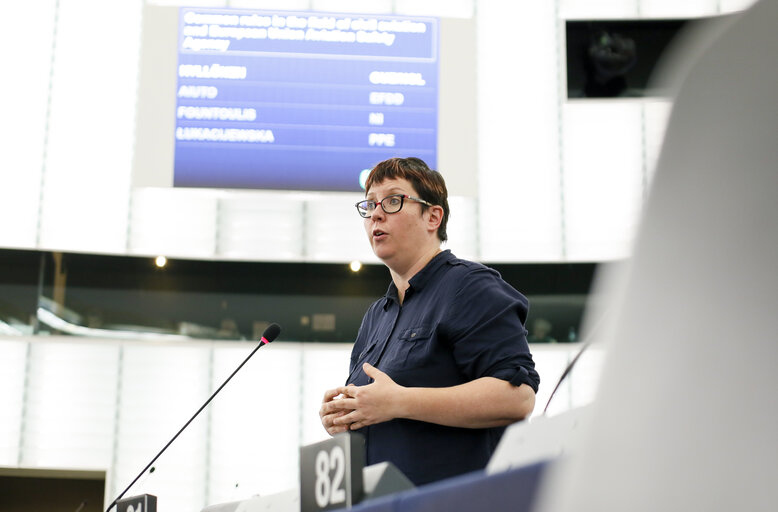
486 330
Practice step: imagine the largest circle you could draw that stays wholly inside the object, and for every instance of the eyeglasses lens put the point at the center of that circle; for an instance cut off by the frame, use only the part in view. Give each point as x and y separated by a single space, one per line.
391 204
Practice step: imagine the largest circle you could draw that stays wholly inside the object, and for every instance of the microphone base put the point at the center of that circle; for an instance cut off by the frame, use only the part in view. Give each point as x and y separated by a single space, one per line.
140 503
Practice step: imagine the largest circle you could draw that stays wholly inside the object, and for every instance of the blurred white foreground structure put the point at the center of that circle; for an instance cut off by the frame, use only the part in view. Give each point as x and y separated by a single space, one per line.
686 417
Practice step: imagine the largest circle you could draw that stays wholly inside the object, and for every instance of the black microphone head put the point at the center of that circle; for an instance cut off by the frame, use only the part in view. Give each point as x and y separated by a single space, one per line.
271 333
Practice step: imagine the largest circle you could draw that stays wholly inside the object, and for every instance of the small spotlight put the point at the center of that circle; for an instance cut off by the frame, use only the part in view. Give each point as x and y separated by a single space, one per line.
363 177
355 266
161 261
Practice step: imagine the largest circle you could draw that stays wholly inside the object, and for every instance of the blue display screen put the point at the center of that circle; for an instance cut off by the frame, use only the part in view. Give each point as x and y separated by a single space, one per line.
301 100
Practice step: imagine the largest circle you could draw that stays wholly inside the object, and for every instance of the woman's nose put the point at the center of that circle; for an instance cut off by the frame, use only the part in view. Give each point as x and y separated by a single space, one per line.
379 208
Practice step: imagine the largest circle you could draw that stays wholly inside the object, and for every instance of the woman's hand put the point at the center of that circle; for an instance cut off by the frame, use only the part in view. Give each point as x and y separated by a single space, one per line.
481 403
328 414
360 406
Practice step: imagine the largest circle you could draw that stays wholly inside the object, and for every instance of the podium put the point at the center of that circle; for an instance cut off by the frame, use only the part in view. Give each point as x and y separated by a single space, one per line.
510 482
379 480
286 501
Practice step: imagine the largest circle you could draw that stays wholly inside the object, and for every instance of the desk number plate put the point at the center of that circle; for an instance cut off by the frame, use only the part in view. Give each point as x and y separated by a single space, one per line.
331 473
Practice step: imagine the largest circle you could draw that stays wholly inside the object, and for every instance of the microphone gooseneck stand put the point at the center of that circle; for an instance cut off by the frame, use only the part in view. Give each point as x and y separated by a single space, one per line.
270 334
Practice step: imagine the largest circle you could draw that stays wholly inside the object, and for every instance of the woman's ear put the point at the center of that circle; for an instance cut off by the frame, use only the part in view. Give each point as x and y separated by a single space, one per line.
435 217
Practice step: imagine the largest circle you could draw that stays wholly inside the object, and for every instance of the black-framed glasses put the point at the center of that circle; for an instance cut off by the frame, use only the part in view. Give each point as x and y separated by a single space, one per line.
389 204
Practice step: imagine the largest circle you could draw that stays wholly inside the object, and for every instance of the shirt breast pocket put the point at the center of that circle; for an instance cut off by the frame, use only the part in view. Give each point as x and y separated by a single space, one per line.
412 347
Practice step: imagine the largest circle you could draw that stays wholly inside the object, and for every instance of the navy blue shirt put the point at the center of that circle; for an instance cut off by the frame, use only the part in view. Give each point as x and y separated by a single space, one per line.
459 321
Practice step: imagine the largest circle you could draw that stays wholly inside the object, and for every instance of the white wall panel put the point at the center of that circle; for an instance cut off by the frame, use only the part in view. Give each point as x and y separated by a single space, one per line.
91 125
462 228
13 366
173 222
675 9
603 177
161 388
70 406
260 226
24 92
598 9
518 95
441 8
287 5
193 3
334 231
550 363
255 421
355 6
324 366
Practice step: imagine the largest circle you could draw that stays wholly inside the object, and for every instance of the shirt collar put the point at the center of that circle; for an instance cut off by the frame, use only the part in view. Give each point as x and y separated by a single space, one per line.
420 279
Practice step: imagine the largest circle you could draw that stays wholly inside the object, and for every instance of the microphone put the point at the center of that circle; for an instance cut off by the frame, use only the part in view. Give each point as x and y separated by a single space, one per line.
585 344
270 334
566 372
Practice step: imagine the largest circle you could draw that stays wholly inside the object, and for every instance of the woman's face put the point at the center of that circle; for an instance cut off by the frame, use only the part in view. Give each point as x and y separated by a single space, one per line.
398 239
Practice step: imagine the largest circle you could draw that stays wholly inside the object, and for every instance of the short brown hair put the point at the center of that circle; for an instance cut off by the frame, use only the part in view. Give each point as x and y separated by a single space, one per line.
428 183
